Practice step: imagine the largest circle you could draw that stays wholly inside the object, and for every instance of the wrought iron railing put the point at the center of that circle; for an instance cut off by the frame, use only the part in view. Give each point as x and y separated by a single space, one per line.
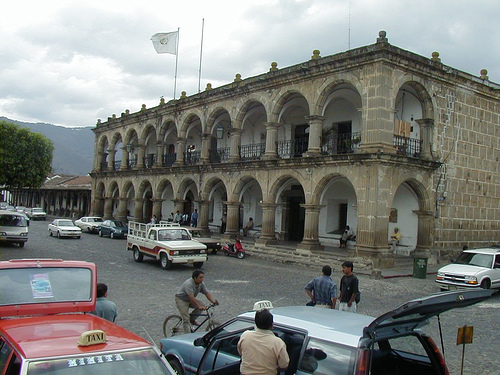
104 165
292 148
132 162
252 152
407 146
341 143
169 159
117 165
218 156
191 157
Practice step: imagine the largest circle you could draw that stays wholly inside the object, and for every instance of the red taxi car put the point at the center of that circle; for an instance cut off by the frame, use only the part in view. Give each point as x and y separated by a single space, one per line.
46 328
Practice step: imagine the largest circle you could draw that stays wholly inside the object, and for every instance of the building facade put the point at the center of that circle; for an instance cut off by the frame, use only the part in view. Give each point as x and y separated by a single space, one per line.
374 138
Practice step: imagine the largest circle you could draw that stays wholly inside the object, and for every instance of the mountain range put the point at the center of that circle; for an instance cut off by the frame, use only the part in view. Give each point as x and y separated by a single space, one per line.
73 147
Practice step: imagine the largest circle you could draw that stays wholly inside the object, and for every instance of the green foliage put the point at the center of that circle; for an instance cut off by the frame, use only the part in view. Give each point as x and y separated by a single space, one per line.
25 157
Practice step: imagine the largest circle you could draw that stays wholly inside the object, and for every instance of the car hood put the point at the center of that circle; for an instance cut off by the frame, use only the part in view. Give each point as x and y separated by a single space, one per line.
417 312
183 245
68 227
461 269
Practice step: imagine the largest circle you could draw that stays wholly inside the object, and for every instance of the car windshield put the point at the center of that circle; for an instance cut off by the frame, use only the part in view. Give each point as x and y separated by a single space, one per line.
65 223
144 361
37 210
117 224
12 221
475 259
173 234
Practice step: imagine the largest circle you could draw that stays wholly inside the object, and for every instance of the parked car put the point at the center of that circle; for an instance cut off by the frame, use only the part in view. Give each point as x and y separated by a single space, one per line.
46 326
64 228
113 229
36 213
13 227
472 269
89 224
204 236
327 341
20 209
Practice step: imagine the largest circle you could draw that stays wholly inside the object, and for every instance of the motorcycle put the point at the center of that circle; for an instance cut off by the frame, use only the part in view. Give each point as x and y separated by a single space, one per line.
234 249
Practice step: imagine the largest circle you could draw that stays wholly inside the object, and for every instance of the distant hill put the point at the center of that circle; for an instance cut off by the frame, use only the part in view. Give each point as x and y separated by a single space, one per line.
73 147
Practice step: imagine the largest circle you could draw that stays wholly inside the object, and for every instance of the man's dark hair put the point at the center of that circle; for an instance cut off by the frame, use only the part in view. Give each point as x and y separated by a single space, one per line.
101 289
264 319
348 264
327 270
197 273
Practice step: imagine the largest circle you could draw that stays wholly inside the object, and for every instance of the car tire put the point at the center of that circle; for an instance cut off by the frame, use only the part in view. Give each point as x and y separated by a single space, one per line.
176 365
59 234
21 244
138 256
112 235
214 251
485 284
198 264
165 263
100 233
50 233
89 230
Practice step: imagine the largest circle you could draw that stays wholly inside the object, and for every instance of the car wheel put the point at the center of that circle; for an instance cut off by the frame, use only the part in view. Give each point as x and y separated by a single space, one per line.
112 235
138 256
214 251
59 234
176 365
198 264
50 233
165 263
100 233
485 284
89 230
21 244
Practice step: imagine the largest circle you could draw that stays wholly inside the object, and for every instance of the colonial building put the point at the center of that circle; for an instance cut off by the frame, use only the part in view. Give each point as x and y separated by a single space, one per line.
60 195
375 138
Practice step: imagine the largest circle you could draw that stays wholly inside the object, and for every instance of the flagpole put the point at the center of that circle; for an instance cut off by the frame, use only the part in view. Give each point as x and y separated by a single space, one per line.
176 60
201 52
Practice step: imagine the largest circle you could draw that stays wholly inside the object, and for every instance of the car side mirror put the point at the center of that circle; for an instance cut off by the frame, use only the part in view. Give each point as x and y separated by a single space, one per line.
199 342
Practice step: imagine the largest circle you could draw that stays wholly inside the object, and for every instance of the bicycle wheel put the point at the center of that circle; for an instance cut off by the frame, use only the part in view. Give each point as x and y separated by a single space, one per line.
172 326
211 325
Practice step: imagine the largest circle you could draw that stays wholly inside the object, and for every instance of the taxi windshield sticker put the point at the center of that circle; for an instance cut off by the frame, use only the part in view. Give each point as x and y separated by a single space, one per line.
40 286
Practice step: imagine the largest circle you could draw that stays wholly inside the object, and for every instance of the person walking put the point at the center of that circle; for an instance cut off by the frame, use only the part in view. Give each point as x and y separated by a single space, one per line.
185 298
104 307
349 288
322 290
194 219
262 353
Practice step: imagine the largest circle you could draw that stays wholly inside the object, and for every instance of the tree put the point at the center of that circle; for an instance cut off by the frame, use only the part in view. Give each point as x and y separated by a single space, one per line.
25 157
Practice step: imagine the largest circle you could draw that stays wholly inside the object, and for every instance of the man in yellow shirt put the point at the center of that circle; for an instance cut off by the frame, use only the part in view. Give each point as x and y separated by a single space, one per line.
395 238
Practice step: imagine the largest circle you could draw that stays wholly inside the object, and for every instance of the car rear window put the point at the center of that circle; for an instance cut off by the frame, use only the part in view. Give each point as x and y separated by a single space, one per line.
135 362
327 358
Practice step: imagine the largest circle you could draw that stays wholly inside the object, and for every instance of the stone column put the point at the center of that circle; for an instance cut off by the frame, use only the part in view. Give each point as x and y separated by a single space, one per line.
271 139
140 157
157 204
108 208
205 148
122 209
268 224
315 132
425 234
111 160
160 147
96 206
234 152
139 209
181 146
311 234
101 158
203 214
125 158
233 215
426 126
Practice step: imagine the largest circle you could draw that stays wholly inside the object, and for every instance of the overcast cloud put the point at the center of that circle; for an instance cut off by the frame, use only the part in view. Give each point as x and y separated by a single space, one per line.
71 62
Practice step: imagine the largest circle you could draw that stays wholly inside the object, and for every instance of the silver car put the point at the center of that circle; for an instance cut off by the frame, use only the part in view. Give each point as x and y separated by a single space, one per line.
64 228
89 224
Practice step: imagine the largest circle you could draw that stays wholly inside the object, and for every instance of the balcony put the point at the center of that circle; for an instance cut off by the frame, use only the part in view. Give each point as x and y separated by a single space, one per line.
252 151
407 146
219 155
292 149
341 143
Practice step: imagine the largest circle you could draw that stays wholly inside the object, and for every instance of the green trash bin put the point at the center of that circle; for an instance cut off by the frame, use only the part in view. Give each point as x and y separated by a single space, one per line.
420 268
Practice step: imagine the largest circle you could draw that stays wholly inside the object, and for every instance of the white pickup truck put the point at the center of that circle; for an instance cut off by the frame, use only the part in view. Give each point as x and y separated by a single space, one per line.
168 243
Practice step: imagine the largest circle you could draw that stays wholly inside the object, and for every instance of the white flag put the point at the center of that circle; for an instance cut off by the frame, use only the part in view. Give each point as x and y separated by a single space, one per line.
165 42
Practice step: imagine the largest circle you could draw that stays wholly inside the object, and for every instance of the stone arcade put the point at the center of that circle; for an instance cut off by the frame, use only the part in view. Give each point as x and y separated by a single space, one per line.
374 138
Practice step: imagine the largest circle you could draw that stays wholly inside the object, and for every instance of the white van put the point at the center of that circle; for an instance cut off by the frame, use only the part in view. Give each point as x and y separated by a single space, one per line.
13 227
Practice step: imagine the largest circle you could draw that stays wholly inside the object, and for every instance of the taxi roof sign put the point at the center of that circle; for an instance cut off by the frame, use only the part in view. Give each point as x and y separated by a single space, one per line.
261 305
93 337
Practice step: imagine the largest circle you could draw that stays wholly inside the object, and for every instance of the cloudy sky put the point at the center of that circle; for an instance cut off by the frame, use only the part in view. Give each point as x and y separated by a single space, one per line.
71 62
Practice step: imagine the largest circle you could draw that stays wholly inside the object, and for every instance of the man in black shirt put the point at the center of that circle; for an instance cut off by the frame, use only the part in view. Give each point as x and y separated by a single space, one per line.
349 288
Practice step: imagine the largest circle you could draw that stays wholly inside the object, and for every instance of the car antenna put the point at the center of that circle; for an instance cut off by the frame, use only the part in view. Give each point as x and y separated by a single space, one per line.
152 342
441 335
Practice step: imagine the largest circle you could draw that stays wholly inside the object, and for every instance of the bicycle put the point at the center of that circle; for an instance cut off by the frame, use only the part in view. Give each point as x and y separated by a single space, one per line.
172 326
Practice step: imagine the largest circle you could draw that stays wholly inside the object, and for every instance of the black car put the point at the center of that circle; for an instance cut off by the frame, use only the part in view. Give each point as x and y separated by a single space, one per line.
113 229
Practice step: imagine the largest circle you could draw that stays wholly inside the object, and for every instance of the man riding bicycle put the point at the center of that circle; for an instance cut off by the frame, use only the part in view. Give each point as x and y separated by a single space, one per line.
185 298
